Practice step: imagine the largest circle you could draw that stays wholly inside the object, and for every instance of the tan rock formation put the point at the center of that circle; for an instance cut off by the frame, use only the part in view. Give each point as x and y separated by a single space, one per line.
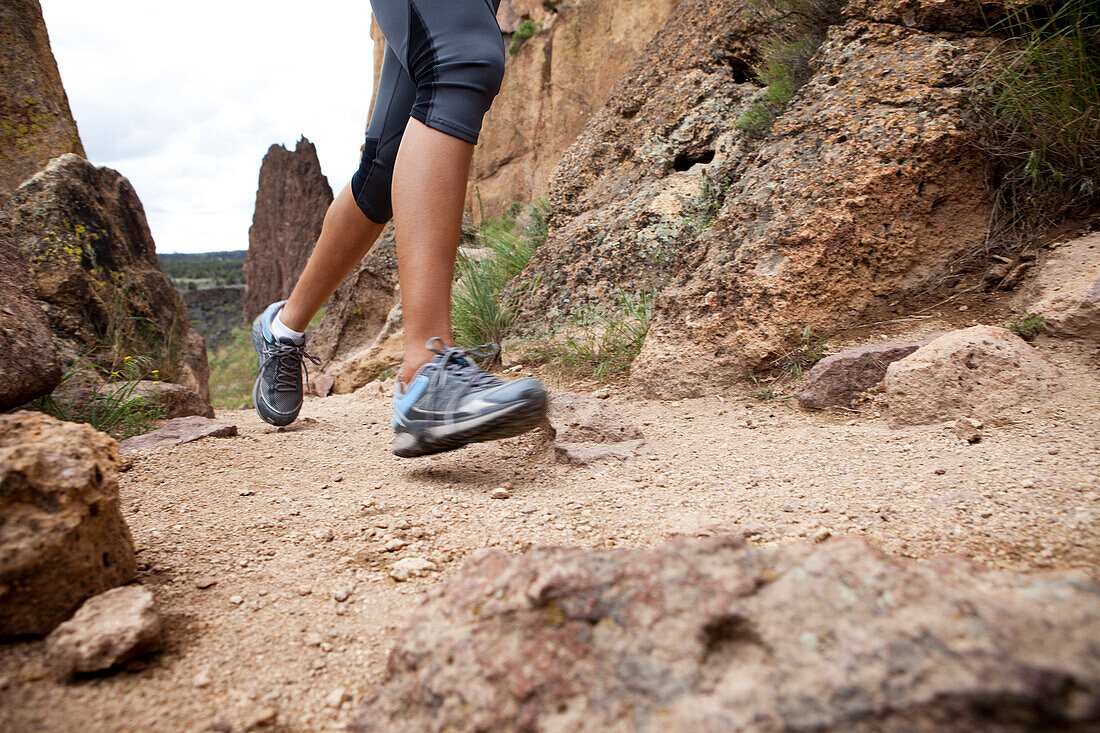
356 336
291 201
554 83
36 124
62 535
30 367
628 196
83 232
985 372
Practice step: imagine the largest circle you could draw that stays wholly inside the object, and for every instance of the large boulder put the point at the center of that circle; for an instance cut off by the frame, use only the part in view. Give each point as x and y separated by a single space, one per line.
36 124
942 15
1067 290
985 372
555 81
62 535
864 191
712 635
30 367
92 259
627 200
291 200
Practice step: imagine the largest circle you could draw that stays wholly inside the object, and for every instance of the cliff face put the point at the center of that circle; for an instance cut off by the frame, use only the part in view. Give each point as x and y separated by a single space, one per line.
555 81
862 191
35 122
291 201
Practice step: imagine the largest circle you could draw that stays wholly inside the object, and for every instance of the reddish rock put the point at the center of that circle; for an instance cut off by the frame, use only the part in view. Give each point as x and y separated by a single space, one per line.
37 123
291 201
713 635
588 430
838 379
62 536
177 432
30 367
93 262
984 372
943 15
109 629
178 401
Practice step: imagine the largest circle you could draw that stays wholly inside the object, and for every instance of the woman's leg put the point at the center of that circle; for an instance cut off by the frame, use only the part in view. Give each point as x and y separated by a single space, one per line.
346 236
429 191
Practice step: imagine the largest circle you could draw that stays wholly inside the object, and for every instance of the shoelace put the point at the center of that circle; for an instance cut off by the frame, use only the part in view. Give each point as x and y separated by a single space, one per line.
458 361
289 361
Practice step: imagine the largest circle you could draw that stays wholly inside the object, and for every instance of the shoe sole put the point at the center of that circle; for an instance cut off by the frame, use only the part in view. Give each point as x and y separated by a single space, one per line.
503 424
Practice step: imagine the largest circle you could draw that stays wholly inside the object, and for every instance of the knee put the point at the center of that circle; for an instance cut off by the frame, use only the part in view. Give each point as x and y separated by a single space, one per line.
476 68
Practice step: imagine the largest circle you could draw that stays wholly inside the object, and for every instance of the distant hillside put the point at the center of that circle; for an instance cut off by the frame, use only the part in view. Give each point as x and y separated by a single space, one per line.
205 270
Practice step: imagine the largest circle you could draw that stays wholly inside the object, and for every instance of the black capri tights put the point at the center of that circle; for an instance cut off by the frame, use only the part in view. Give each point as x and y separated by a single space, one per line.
443 66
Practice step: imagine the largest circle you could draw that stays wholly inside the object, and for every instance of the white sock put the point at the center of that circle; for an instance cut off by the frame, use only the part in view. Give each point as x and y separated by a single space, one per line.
281 331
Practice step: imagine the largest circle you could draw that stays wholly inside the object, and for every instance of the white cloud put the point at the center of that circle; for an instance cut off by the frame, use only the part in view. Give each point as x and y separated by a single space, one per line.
184 99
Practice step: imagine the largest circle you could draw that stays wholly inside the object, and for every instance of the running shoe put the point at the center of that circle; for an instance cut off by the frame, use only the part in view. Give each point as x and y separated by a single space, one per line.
278 392
451 403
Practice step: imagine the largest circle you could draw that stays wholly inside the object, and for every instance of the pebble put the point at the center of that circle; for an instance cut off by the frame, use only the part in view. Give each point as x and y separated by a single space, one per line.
236 600
336 698
395 544
304 590
202 679
940 471
822 534
500 493
205 582
314 639
320 664
1028 483
341 594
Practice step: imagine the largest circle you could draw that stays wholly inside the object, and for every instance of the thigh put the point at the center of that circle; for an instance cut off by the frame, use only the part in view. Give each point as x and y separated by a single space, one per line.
423 33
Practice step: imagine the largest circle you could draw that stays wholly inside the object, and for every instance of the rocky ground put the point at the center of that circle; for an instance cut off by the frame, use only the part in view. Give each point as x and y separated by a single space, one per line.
271 554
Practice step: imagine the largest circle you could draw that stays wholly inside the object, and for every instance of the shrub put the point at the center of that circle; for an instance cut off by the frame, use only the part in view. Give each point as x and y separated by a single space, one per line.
525 30
1038 99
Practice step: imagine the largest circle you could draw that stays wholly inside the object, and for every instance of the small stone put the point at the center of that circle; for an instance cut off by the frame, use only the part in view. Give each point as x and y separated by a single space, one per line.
411 567
319 664
338 479
236 600
967 429
822 534
220 726
326 647
341 594
204 582
500 493
304 590
395 544
940 471
109 629
202 679
314 639
788 508
336 698
1028 483
261 717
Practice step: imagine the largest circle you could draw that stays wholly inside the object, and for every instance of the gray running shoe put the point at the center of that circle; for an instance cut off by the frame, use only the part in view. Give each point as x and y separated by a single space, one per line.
450 403
277 393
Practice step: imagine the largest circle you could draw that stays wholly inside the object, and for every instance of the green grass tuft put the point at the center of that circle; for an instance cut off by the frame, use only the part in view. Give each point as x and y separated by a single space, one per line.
1027 325
603 345
525 30
104 398
478 312
1038 98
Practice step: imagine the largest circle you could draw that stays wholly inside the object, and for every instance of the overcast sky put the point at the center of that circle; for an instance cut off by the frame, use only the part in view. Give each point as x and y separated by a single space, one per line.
185 98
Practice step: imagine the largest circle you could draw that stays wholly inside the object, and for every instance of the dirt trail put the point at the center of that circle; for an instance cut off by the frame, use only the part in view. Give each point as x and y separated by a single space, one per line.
285 521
